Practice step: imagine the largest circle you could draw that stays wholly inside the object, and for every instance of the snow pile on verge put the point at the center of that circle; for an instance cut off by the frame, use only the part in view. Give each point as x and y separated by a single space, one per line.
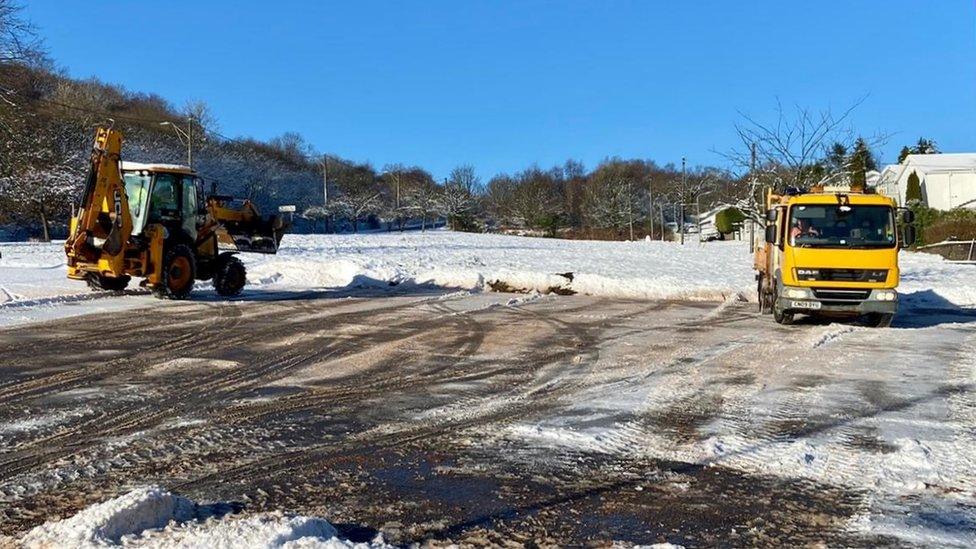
153 517
108 522
33 273
656 270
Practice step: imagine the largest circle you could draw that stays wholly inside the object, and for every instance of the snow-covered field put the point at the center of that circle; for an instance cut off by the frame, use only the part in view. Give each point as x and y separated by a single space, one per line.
823 403
33 285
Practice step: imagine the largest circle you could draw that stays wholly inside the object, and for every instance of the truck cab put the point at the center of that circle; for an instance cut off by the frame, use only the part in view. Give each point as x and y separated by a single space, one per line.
832 252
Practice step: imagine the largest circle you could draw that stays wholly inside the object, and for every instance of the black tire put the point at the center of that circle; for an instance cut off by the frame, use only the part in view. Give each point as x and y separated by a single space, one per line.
764 297
229 276
879 320
783 318
102 283
179 272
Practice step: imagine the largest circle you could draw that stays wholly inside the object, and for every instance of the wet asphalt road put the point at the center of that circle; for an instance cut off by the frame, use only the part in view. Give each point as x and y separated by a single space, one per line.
416 415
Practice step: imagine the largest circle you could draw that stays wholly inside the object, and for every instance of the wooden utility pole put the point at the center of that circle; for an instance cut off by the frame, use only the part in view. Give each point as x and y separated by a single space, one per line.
752 185
662 223
681 199
189 141
325 190
650 205
630 209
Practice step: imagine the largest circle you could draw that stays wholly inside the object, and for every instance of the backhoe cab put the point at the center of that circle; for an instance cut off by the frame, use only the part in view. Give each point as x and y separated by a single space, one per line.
153 221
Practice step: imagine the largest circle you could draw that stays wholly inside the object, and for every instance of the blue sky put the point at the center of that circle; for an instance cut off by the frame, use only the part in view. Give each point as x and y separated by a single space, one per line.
502 85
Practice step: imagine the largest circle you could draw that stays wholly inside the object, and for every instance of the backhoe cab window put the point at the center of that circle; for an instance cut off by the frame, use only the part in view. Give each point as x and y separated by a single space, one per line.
164 203
841 226
137 191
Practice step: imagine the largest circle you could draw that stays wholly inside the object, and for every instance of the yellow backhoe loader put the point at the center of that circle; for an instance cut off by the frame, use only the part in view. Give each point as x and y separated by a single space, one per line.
152 221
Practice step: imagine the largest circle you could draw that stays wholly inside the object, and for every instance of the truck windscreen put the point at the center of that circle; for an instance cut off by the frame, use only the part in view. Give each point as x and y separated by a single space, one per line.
841 226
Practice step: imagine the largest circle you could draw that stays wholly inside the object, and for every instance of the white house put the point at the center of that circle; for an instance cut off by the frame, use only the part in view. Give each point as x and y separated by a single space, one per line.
947 180
706 222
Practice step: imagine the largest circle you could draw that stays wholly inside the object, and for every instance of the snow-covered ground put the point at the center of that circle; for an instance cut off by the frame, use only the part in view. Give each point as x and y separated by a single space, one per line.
33 285
822 400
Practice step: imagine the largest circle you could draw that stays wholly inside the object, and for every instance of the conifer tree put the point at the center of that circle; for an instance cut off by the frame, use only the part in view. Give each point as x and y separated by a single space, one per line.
913 193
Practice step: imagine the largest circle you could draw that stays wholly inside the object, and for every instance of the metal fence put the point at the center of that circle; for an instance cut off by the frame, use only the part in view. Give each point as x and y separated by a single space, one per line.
953 250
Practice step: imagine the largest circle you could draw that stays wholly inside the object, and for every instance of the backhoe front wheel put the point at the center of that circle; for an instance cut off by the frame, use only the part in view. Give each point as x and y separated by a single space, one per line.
230 276
179 270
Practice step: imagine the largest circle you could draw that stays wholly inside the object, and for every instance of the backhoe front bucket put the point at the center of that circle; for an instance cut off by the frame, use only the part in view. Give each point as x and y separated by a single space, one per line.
260 235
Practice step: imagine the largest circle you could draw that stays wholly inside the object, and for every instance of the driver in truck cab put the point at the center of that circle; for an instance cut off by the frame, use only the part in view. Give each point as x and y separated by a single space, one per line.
803 228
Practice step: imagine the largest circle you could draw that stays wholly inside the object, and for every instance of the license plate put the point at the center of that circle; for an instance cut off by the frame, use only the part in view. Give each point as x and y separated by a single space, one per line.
806 305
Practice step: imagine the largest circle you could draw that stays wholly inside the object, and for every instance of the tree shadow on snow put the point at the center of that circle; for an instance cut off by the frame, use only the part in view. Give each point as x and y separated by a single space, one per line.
925 309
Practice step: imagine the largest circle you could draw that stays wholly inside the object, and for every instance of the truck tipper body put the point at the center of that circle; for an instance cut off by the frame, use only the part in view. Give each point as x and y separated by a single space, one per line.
832 251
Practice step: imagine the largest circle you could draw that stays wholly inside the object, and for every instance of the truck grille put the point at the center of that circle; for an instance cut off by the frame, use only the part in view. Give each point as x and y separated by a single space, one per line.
843 275
847 296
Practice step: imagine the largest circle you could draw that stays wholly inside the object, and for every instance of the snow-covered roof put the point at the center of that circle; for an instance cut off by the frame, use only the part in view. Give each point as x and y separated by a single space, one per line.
135 166
871 177
942 162
929 163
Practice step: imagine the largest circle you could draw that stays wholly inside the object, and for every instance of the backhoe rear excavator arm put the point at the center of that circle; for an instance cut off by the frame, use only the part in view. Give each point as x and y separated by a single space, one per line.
100 231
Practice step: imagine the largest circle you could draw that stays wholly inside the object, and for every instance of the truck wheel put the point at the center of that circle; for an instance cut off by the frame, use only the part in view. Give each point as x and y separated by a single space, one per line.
765 298
760 297
229 276
880 320
102 283
179 270
782 317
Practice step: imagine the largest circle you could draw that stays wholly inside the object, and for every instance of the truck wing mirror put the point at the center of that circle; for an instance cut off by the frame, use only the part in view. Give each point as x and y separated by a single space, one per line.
907 216
771 214
771 234
908 236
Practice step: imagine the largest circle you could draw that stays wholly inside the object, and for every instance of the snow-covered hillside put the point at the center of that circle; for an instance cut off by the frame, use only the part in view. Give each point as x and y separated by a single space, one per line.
33 285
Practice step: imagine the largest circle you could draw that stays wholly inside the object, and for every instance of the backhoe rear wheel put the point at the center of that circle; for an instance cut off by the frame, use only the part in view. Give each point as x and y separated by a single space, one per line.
179 271
102 283
229 276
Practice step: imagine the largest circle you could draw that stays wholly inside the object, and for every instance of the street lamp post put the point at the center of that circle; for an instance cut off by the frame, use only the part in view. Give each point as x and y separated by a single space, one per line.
187 134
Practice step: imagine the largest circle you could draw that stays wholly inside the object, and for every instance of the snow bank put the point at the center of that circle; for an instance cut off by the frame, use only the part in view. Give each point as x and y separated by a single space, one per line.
153 517
108 522
32 275
642 270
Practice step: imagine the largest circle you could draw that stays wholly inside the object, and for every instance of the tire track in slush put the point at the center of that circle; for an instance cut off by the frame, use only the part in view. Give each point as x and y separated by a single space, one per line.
537 397
138 416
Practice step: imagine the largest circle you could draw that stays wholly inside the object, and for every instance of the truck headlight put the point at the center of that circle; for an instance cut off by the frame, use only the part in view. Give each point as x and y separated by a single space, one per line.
885 295
797 293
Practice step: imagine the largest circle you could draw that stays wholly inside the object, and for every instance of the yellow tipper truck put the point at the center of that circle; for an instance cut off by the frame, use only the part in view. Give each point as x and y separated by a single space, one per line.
832 251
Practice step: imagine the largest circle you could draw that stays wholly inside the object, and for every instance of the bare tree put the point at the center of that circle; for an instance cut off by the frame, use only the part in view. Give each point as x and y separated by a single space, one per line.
19 41
616 195
790 151
458 201
398 181
423 199
359 192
